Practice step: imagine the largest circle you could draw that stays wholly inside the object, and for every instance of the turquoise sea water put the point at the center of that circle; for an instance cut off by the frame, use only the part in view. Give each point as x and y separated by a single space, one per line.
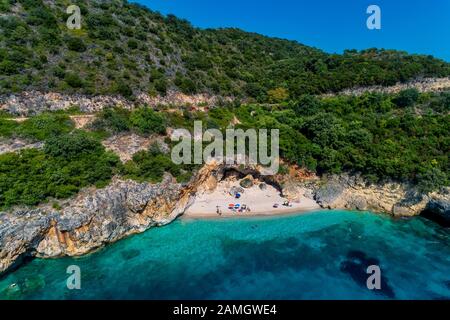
319 255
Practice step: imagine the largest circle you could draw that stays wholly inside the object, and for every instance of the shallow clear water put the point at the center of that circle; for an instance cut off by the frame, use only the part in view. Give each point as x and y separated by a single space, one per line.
320 255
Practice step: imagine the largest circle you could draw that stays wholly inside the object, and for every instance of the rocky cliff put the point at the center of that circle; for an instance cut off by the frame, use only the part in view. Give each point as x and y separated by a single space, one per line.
95 218
89 221
34 102
397 199
422 85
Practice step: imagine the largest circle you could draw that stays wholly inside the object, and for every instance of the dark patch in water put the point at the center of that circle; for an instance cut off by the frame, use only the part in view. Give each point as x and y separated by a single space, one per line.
356 265
130 254
440 219
447 284
270 256
19 263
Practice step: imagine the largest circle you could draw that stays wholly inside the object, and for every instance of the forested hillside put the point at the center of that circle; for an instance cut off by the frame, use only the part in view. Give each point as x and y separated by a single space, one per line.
403 137
127 49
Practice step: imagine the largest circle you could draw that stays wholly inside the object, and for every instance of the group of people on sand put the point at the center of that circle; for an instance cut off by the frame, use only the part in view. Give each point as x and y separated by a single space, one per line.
287 203
235 209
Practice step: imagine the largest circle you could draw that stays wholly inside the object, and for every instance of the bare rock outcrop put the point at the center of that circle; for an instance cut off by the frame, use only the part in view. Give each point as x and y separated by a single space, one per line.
354 193
96 217
35 102
438 209
89 221
422 85
125 145
17 144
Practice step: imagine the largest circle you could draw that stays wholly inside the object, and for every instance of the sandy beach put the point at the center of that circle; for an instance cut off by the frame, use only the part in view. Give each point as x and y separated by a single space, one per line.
261 202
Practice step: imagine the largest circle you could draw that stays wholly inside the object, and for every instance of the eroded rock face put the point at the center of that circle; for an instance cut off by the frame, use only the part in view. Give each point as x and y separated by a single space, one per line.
20 233
34 102
125 145
16 144
422 85
354 193
439 211
97 217
93 219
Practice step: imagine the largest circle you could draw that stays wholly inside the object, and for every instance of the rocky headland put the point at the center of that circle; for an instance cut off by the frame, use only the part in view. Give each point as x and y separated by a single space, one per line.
96 217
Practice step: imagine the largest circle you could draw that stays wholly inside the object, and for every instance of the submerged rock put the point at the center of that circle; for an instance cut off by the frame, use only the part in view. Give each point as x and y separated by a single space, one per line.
356 264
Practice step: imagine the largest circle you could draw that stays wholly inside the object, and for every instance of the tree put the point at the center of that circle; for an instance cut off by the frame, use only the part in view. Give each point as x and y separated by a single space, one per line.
406 98
75 44
113 119
124 89
73 80
277 95
147 121
431 180
72 145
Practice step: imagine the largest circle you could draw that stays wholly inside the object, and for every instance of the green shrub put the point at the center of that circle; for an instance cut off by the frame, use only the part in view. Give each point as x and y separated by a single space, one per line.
72 145
406 98
124 89
161 86
32 176
5 5
147 121
132 44
150 166
112 119
44 126
9 67
7 127
73 80
431 180
75 44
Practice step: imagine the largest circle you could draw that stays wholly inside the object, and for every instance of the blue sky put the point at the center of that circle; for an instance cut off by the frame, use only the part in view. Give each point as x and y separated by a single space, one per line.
416 26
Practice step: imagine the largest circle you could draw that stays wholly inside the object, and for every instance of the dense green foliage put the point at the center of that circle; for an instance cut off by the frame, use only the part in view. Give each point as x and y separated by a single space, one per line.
144 121
126 49
405 137
68 163
40 127
152 164
369 134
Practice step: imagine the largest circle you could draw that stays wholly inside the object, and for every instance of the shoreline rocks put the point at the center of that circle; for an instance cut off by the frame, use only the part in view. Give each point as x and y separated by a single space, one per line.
97 217
354 193
438 210
89 221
